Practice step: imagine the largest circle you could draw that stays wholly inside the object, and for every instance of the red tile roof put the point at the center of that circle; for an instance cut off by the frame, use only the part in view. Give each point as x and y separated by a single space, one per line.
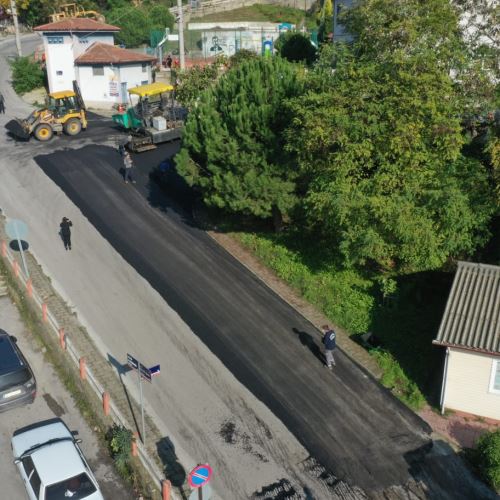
77 24
103 53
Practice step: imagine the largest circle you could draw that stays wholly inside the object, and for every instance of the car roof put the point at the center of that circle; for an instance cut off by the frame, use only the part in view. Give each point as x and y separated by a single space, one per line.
9 358
57 462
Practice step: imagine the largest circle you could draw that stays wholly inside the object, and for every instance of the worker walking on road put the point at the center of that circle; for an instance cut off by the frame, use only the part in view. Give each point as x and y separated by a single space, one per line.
2 103
66 232
128 165
330 343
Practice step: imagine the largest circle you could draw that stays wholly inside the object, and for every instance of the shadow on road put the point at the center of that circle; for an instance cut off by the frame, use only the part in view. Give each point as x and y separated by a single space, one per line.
173 470
307 341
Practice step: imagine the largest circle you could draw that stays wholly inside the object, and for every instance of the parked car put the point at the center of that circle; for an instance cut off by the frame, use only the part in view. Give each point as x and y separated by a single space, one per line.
51 463
17 382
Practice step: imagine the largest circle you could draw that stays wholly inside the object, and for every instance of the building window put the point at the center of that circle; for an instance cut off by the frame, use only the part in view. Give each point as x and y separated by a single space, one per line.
144 68
83 40
55 39
98 70
495 377
144 82
59 73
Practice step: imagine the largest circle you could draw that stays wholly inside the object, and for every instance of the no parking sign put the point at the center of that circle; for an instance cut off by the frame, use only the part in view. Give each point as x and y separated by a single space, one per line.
199 477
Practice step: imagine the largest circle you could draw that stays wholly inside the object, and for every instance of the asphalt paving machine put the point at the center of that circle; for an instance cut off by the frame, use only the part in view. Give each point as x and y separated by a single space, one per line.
153 116
64 111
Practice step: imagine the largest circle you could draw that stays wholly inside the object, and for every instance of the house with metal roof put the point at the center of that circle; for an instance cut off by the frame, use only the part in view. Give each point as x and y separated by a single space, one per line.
84 50
470 332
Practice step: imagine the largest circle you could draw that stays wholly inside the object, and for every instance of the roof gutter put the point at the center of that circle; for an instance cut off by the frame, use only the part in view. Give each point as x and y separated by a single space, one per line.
445 379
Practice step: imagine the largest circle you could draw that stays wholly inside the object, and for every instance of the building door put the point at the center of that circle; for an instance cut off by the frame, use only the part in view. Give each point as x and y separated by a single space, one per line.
124 92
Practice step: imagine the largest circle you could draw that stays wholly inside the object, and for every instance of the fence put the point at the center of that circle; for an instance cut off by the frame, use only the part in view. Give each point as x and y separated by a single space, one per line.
109 407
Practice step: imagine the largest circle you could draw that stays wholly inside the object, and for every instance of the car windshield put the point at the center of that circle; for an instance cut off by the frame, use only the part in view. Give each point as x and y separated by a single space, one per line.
75 487
16 377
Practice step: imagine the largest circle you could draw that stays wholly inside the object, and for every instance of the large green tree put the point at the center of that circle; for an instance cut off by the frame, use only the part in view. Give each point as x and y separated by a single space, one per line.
379 143
232 145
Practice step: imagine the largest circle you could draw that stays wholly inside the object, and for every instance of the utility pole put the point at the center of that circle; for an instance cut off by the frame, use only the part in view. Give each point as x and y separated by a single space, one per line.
180 24
13 10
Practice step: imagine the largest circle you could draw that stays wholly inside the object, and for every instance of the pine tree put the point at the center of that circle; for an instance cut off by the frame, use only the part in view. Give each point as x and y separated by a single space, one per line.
232 145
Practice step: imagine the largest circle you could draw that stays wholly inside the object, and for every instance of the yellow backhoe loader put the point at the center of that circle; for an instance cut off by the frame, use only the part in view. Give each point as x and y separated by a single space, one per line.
64 111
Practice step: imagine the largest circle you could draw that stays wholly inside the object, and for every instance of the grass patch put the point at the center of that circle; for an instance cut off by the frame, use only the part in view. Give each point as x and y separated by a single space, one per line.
405 321
262 13
84 398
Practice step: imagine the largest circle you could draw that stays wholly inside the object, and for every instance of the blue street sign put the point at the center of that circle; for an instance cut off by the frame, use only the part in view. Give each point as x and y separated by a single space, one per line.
132 362
16 229
155 370
145 373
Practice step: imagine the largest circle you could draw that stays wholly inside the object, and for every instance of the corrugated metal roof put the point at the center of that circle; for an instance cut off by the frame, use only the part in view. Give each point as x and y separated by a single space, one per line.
472 315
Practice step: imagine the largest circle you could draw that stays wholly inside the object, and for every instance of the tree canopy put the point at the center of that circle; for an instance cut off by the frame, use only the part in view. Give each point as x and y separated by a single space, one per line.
232 145
365 152
296 47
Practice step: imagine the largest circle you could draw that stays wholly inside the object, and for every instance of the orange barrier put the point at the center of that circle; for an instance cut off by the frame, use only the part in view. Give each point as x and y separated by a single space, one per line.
44 312
62 339
135 452
105 403
15 265
166 487
29 288
83 369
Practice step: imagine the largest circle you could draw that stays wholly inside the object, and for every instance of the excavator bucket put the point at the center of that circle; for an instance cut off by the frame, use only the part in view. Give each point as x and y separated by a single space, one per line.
18 129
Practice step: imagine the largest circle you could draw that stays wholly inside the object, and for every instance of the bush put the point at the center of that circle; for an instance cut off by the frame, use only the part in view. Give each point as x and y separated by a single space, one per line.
241 56
26 75
488 457
296 47
120 444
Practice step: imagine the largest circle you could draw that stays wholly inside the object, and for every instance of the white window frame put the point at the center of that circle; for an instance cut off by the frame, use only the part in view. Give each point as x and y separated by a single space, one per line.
495 366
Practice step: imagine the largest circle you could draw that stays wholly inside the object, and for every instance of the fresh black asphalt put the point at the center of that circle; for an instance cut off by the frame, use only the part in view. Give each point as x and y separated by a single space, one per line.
346 420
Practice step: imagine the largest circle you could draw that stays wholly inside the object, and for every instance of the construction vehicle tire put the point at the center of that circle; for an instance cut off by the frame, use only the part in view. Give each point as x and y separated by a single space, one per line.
44 132
73 126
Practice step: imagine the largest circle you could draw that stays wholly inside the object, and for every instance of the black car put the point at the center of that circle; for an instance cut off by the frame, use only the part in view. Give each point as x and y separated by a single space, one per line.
17 382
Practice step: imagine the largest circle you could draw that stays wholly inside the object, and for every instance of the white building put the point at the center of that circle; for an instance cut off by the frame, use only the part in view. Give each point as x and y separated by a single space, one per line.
83 49
470 331
229 37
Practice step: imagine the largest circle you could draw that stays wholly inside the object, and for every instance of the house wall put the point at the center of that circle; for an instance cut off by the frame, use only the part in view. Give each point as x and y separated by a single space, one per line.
60 69
103 91
60 56
468 384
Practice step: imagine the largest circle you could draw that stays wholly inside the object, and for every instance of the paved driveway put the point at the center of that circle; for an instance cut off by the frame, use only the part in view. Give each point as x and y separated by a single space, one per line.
52 401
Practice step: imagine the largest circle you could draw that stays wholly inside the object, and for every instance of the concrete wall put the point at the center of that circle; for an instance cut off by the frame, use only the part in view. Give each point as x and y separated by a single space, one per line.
468 384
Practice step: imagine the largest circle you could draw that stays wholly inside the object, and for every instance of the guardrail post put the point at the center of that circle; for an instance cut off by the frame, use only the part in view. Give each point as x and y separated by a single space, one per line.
15 266
29 288
4 248
62 339
105 403
83 369
44 312
166 487
134 444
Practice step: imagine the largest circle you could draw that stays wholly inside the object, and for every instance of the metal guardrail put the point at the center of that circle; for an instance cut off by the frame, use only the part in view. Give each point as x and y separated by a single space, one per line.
149 465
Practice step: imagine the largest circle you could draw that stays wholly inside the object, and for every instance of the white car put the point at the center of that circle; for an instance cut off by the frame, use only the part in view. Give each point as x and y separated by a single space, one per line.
51 463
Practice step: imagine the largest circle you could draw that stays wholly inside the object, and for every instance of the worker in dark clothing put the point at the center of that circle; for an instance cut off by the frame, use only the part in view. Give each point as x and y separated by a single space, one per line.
66 232
330 343
2 103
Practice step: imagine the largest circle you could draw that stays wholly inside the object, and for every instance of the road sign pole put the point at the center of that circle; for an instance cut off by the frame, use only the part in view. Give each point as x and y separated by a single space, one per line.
143 434
22 251
200 493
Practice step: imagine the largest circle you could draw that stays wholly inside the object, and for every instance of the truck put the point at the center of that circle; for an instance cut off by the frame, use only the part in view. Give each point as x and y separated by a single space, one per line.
152 117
